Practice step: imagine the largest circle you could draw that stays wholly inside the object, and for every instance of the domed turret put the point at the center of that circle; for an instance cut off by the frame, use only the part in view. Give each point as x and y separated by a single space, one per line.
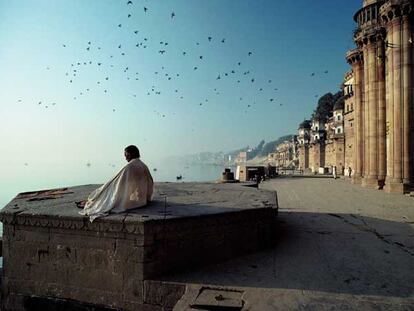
368 2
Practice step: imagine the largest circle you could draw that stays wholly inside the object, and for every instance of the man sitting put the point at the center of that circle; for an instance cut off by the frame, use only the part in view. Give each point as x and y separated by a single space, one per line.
132 187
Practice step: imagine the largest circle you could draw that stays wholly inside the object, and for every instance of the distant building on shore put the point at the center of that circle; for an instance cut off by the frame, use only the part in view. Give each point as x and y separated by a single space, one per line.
242 157
286 154
321 142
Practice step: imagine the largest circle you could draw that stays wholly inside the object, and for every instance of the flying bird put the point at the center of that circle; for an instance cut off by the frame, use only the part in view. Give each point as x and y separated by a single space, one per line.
136 31
145 9
250 53
223 40
209 39
119 25
172 15
161 51
129 2
129 15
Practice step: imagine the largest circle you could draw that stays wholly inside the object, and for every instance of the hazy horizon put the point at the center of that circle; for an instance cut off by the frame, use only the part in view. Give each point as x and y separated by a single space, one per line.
81 80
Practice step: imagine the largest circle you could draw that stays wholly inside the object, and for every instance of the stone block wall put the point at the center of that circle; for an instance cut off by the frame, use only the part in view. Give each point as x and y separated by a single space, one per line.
108 262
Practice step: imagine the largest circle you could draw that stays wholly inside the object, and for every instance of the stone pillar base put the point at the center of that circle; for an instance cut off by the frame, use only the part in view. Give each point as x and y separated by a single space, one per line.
398 187
370 182
357 180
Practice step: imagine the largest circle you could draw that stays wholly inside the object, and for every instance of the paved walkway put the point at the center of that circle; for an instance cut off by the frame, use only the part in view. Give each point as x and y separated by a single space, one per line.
339 247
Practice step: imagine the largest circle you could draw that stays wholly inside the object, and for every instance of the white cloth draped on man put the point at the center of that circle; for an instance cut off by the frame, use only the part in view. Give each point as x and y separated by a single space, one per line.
132 187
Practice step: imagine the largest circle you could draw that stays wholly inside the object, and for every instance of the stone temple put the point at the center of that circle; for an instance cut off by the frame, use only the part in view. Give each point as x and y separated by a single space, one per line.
382 65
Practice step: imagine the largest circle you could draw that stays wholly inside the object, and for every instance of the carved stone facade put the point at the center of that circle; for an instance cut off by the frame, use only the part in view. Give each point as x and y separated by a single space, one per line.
383 71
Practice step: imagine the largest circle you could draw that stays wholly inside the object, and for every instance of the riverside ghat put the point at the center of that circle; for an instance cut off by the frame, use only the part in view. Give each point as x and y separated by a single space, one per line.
53 257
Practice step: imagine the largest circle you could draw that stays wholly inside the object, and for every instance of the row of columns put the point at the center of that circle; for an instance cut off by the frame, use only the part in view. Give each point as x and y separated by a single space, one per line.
384 108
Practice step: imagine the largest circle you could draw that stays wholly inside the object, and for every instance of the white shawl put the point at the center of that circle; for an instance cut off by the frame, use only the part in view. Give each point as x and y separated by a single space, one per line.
132 187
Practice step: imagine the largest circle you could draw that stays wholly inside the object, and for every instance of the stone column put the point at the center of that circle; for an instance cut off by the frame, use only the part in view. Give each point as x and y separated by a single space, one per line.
389 106
355 59
407 97
371 108
396 128
365 126
398 17
382 164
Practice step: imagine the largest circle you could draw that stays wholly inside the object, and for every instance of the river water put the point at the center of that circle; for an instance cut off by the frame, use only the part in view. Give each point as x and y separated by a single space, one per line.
28 178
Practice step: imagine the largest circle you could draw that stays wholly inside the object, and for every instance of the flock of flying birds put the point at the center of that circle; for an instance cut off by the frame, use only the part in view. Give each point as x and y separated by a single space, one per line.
239 74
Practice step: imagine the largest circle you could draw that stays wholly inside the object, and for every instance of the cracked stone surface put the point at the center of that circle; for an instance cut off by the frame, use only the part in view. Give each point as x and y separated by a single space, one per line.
339 247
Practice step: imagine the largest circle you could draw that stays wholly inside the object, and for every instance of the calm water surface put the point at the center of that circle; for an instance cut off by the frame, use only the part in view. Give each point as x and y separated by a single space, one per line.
28 178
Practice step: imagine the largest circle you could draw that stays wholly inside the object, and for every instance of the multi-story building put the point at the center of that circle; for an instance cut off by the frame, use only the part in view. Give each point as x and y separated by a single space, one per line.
349 122
303 144
286 154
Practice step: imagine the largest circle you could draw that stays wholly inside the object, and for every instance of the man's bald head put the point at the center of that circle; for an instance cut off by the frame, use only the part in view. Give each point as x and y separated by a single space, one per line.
131 152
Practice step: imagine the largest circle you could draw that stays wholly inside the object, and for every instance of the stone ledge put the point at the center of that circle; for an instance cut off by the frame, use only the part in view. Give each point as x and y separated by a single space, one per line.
54 253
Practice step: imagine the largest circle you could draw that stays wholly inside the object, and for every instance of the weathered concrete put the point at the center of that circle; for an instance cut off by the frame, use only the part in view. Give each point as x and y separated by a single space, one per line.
338 247
51 251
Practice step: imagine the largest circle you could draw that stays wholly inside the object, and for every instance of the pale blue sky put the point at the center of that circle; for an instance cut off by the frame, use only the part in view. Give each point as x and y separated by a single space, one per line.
288 39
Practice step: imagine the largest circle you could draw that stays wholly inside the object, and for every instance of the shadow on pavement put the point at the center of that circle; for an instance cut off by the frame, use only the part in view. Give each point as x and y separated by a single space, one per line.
337 253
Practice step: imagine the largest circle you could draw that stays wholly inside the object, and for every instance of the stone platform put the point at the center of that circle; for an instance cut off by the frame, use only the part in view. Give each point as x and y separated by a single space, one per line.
54 256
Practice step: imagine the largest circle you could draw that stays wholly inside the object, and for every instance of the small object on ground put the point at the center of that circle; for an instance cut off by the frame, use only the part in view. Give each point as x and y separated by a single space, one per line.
80 204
